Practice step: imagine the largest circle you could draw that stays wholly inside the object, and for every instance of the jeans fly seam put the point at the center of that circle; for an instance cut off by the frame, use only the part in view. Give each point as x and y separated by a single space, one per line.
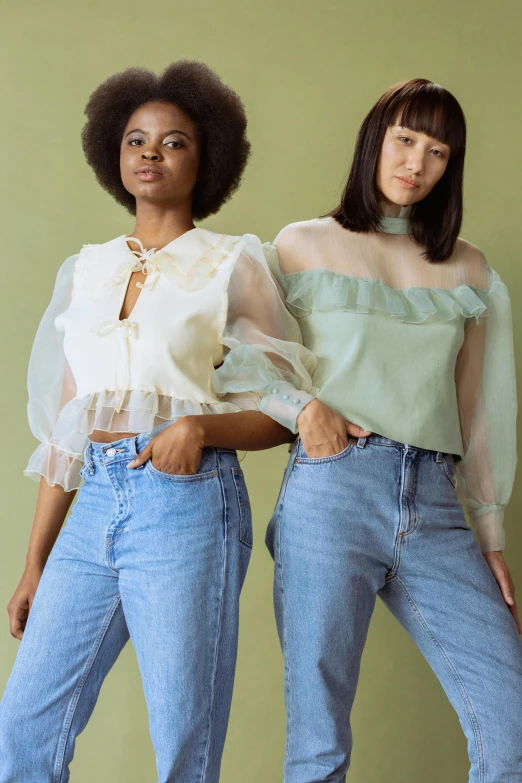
71 711
398 538
218 629
460 685
411 501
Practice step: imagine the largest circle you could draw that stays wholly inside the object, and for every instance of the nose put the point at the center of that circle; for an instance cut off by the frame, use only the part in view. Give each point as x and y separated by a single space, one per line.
150 154
415 162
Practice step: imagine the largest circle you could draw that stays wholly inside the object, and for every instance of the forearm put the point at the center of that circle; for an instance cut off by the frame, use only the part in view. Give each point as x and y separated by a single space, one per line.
245 431
51 509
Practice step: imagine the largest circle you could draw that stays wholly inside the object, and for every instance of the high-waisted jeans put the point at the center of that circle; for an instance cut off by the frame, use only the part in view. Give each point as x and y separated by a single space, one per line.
156 557
382 518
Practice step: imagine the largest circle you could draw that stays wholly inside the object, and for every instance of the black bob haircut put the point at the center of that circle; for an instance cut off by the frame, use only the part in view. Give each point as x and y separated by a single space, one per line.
194 88
427 108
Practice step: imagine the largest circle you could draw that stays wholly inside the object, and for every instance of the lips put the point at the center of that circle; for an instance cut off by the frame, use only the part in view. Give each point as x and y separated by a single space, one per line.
408 183
148 173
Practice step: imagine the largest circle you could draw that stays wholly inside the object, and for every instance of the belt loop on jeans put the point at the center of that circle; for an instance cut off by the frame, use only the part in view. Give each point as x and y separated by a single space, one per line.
439 456
361 443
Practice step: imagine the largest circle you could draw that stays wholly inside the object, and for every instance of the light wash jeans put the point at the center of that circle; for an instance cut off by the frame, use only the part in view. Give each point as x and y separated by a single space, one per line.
144 554
382 518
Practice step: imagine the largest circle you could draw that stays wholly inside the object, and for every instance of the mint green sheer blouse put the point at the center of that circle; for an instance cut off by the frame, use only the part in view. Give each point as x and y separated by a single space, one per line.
418 352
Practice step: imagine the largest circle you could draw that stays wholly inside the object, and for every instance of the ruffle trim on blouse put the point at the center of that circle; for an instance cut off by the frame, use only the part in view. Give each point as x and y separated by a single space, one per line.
60 460
327 291
187 272
56 466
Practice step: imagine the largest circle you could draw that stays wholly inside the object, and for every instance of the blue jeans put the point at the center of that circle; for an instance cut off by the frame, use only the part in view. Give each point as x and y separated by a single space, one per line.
382 518
156 557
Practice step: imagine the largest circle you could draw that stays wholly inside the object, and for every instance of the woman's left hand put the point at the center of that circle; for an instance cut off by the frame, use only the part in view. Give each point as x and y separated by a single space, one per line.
176 450
500 570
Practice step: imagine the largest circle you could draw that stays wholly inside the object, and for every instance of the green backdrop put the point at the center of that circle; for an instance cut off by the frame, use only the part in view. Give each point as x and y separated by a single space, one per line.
307 72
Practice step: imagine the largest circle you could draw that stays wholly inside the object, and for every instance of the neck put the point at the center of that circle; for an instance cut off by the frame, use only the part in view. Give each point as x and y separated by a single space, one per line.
395 218
389 209
156 225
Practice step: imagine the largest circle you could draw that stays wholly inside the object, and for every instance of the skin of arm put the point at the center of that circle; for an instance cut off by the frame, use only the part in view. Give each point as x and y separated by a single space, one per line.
177 449
51 509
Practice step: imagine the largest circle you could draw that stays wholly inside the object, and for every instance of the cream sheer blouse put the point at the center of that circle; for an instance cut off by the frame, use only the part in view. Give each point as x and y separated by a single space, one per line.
415 351
209 333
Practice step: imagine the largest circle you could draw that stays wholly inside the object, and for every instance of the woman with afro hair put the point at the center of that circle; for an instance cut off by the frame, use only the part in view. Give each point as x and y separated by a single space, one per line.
147 338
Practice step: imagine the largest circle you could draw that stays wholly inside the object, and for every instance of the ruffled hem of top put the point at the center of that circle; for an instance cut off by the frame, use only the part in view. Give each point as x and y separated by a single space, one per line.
60 460
327 291
56 466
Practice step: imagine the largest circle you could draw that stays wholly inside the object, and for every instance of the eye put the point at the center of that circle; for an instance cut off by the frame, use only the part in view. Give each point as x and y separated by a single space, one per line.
135 142
174 145
437 153
404 139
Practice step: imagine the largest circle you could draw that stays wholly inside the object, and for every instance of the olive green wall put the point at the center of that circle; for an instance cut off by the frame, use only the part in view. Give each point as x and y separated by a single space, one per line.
308 72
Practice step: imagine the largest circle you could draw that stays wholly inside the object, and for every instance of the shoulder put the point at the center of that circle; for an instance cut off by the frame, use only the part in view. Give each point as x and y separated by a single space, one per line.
474 267
303 231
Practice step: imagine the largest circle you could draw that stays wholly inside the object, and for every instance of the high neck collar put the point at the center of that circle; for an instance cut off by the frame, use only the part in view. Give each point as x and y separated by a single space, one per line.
395 219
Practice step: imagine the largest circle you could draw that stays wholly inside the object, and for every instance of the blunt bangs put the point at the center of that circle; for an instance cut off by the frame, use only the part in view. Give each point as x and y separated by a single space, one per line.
430 109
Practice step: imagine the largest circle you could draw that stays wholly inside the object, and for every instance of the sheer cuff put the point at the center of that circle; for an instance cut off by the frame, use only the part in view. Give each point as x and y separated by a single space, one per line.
283 403
56 467
488 522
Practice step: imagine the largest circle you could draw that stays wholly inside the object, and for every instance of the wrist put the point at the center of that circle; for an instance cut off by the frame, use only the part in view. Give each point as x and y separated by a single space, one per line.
34 567
308 411
194 429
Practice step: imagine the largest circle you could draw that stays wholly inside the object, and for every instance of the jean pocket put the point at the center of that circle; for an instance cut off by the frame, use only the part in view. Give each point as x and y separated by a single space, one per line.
246 535
178 476
448 467
323 460
85 470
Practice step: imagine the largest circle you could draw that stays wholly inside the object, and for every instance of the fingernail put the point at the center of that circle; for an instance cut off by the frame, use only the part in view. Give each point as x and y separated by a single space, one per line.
131 464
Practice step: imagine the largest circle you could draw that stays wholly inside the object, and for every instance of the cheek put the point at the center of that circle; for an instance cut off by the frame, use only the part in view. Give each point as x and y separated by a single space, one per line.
435 170
389 159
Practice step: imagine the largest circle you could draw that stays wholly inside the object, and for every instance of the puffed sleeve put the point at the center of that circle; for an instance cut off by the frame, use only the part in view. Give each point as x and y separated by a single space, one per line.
265 364
51 385
486 388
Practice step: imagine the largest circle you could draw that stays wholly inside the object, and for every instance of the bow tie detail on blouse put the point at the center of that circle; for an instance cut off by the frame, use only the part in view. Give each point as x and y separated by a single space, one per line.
128 328
138 261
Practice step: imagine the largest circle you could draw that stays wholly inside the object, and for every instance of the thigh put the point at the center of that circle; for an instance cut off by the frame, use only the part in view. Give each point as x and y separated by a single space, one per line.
181 571
73 635
447 598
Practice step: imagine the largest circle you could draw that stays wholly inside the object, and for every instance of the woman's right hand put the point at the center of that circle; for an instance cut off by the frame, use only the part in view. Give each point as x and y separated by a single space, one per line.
20 604
324 432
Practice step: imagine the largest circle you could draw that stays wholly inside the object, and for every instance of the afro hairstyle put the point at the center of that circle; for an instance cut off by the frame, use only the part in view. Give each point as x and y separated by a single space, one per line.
193 87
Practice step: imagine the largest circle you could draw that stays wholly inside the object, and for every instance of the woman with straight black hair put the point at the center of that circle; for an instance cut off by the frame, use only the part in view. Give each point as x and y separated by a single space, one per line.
413 425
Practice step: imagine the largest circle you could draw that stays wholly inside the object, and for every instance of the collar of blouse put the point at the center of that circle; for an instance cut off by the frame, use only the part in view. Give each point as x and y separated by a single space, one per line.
190 261
395 219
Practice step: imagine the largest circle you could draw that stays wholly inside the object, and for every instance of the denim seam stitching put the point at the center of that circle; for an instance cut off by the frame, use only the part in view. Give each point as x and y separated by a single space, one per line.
282 490
178 478
460 685
398 538
288 688
218 629
447 472
73 704
235 476
411 502
323 460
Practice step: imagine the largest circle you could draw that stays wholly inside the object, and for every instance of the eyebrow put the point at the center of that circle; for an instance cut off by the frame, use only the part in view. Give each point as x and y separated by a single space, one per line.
139 130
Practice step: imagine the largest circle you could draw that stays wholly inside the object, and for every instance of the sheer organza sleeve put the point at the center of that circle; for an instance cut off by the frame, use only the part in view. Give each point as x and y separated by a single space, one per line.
265 366
486 388
51 385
